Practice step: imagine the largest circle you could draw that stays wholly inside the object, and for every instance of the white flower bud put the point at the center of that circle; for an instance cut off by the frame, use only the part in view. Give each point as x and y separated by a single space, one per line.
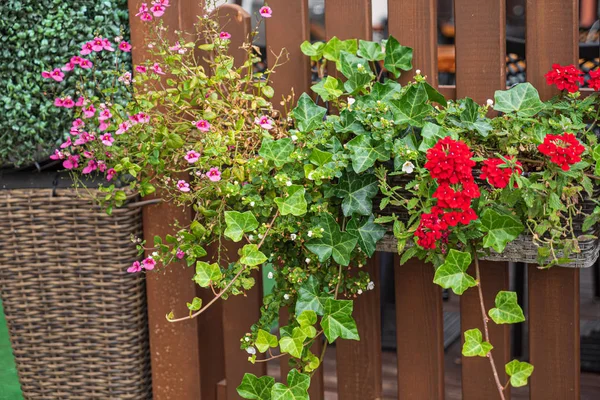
307 261
310 233
286 296
490 102
371 285
408 167
288 183
418 72
251 350
270 275
293 236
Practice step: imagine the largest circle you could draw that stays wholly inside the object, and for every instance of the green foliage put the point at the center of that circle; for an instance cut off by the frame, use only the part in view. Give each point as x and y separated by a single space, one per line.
296 389
474 344
337 320
238 224
500 229
255 388
333 242
522 99
452 274
507 310
519 372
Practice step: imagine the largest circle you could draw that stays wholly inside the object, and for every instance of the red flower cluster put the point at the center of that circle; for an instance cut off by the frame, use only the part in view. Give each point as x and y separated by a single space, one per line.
496 176
565 77
564 150
594 81
449 163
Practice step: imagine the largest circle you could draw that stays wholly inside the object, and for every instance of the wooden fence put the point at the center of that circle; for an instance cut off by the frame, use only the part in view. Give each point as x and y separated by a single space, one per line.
201 359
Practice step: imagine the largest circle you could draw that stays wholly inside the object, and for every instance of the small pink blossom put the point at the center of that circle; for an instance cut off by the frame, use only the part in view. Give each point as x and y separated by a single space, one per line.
148 263
183 186
84 138
180 254
78 123
123 127
107 139
68 102
224 35
178 48
59 102
66 144
91 166
75 60
161 2
264 122
104 114
110 174
46 74
97 44
202 125
146 17
125 78
192 156
265 12
139 118
89 111
86 64
157 10
74 131
157 69
88 154
56 74
58 155
125 46
107 45
135 267
81 101
141 69
68 66
214 174
86 49
103 126
102 166
71 162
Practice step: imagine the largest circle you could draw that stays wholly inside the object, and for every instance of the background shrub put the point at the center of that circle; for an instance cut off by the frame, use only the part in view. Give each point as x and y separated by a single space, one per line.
39 35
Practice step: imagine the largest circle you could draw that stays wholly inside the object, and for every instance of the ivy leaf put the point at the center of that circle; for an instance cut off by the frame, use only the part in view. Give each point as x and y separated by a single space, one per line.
307 114
364 154
207 273
522 98
251 256
474 344
507 310
264 340
337 320
320 158
312 361
239 223
368 233
295 203
519 372
254 388
357 192
277 151
294 344
347 123
412 107
357 71
372 51
397 57
430 134
195 305
471 120
329 88
383 92
501 229
453 272
333 242
311 298
297 388
313 50
433 94
307 318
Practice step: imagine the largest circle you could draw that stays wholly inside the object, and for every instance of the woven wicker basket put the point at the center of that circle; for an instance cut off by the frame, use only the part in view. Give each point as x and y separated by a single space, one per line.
77 320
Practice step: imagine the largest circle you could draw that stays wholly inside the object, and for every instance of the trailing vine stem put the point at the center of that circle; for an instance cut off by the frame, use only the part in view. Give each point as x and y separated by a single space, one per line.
485 327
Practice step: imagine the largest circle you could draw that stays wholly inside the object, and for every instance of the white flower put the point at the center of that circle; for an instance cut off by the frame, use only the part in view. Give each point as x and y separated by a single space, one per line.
286 296
247 339
293 236
351 101
251 350
270 275
154 254
260 160
359 291
307 261
251 204
309 233
250 237
490 102
322 230
294 138
288 183
260 235
408 167
118 39
371 285
418 72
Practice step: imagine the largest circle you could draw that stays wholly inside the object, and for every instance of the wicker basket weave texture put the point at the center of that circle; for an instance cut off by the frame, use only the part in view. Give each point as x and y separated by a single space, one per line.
77 319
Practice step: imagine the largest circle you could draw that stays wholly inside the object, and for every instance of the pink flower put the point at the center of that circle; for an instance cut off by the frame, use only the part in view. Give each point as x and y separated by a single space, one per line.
89 112
265 12
107 45
264 122
157 10
91 166
102 166
125 46
75 60
104 115
88 154
192 156
161 2
78 123
148 263
183 186
139 118
97 44
80 102
68 102
135 267
125 78
56 74
141 69
86 49
202 125
180 254
66 144
84 138
58 155
85 64
71 162
123 127
68 66
107 139
58 102
224 35
110 174
146 17
178 48
46 75
103 126
214 174
157 69
74 132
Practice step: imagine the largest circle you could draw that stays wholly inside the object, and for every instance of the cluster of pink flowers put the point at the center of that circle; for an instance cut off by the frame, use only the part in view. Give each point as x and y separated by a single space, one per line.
142 69
157 9
148 264
96 45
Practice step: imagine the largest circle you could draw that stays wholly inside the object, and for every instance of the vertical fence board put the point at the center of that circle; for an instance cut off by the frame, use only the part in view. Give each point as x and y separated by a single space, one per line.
554 333
552 37
419 331
348 19
359 363
237 22
414 24
288 28
477 379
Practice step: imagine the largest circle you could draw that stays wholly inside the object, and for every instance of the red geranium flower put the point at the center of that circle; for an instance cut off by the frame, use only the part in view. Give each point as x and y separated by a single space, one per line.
565 77
563 150
450 161
594 81
496 176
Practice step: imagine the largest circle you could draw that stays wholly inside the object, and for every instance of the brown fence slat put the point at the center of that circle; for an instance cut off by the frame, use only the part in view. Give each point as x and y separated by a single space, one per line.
237 22
287 29
348 19
419 331
359 363
554 333
477 379
414 24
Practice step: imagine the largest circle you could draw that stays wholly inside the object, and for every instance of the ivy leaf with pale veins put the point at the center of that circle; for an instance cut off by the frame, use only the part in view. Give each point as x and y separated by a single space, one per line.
500 229
348 123
364 153
254 388
412 107
307 114
264 340
319 157
372 51
474 344
337 320
453 272
329 88
383 92
357 192
295 203
277 151
251 256
206 273
357 71
522 98
310 297
294 344
519 372
430 135
238 224
368 234
397 57
296 389
507 310
333 243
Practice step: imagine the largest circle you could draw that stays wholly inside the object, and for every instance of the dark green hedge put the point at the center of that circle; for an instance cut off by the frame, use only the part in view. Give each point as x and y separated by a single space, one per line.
37 35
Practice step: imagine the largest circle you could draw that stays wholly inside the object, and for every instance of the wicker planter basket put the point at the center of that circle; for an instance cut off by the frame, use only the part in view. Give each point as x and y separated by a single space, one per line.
77 320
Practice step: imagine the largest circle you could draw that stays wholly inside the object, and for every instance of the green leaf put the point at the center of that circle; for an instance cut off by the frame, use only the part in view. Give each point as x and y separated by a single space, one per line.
307 318
206 273
474 344
519 372
397 57
383 92
334 47
251 256
312 361
307 114
368 233
294 344
297 388
364 153
453 272
310 297
329 88
337 320
195 305
239 223
412 107
430 134
320 158
357 71
265 340
174 141
371 51
314 50
500 228
507 309
522 99
347 123
357 192
433 94
471 120
333 242
277 151
254 388
295 203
